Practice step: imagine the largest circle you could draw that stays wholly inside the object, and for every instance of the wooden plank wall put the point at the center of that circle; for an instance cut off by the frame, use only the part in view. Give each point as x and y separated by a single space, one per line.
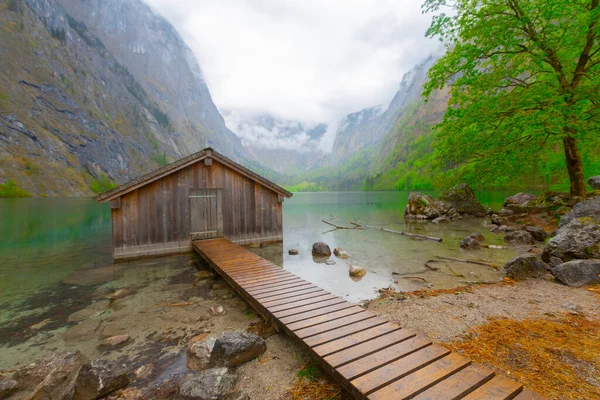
155 219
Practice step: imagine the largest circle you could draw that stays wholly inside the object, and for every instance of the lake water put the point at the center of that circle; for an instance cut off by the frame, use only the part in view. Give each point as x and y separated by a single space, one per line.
55 252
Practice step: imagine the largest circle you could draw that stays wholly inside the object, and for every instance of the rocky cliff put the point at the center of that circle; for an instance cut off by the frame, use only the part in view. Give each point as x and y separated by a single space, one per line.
369 126
97 91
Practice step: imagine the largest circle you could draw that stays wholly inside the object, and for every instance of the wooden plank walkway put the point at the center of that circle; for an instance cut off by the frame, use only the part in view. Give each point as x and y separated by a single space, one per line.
368 356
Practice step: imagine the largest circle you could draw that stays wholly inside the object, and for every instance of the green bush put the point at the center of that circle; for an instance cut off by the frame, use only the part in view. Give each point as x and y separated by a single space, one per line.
10 189
103 184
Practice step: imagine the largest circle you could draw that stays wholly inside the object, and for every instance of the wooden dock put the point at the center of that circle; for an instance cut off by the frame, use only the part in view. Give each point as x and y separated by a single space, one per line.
368 356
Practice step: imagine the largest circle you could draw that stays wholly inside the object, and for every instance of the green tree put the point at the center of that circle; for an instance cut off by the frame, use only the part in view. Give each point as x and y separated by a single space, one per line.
524 75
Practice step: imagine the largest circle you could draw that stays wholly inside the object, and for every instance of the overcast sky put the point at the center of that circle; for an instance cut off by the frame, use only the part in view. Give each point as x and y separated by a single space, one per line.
308 60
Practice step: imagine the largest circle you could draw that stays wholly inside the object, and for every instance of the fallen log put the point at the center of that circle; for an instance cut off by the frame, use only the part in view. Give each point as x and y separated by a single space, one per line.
487 264
340 227
410 235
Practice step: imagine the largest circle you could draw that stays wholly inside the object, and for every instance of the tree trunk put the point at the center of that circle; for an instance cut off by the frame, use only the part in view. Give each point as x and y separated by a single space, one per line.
574 166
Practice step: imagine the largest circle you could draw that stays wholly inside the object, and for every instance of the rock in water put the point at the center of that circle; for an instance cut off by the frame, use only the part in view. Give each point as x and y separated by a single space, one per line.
469 242
330 262
97 379
526 266
462 199
587 208
421 206
53 377
341 253
293 252
519 237
579 239
356 271
320 249
232 349
520 199
594 182
212 384
114 342
7 387
578 272
144 371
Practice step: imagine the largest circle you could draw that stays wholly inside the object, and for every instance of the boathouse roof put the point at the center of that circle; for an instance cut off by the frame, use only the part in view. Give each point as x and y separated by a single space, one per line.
182 163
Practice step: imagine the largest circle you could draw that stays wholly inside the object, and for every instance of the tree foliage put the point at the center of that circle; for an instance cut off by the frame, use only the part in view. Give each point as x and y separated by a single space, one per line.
525 78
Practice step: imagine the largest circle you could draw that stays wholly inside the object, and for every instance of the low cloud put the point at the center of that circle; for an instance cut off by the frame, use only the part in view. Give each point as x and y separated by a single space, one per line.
305 60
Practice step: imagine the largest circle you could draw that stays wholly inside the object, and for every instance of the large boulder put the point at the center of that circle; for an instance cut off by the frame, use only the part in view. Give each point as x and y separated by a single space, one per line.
520 199
97 379
422 206
321 249
231 349
462 199
7 386
579 239
578 272
587 208
519 237
52 377
594 182
212 384
526 266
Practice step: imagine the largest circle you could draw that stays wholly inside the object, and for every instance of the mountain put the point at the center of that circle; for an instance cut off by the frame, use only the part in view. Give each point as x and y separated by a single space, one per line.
369 126
97 92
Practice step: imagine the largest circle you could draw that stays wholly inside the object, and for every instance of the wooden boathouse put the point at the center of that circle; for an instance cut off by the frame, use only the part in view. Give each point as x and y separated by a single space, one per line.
202 196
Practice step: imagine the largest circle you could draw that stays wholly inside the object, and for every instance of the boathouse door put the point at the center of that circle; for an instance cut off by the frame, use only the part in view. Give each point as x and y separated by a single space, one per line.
206 213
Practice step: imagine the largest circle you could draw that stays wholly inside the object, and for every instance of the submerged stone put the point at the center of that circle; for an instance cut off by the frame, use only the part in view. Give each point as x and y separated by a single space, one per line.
83 332
293 252
114 342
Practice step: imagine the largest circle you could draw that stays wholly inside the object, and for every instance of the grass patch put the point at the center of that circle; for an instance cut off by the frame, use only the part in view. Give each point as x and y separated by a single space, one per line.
306 187
103 184
556 357
313 384
10 190
160 159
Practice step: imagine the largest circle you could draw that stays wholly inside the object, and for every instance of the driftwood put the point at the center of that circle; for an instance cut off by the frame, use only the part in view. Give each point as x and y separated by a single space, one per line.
411 235
339 226
487 264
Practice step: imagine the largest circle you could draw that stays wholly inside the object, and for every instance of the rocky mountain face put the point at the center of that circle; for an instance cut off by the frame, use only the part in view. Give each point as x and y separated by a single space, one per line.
158 58
369 126
95 92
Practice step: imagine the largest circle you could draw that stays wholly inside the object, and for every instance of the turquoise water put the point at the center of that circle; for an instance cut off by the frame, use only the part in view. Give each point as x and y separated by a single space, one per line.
44 240
55 260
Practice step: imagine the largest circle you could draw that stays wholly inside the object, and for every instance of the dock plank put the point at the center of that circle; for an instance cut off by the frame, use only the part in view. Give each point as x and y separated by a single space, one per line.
369 356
